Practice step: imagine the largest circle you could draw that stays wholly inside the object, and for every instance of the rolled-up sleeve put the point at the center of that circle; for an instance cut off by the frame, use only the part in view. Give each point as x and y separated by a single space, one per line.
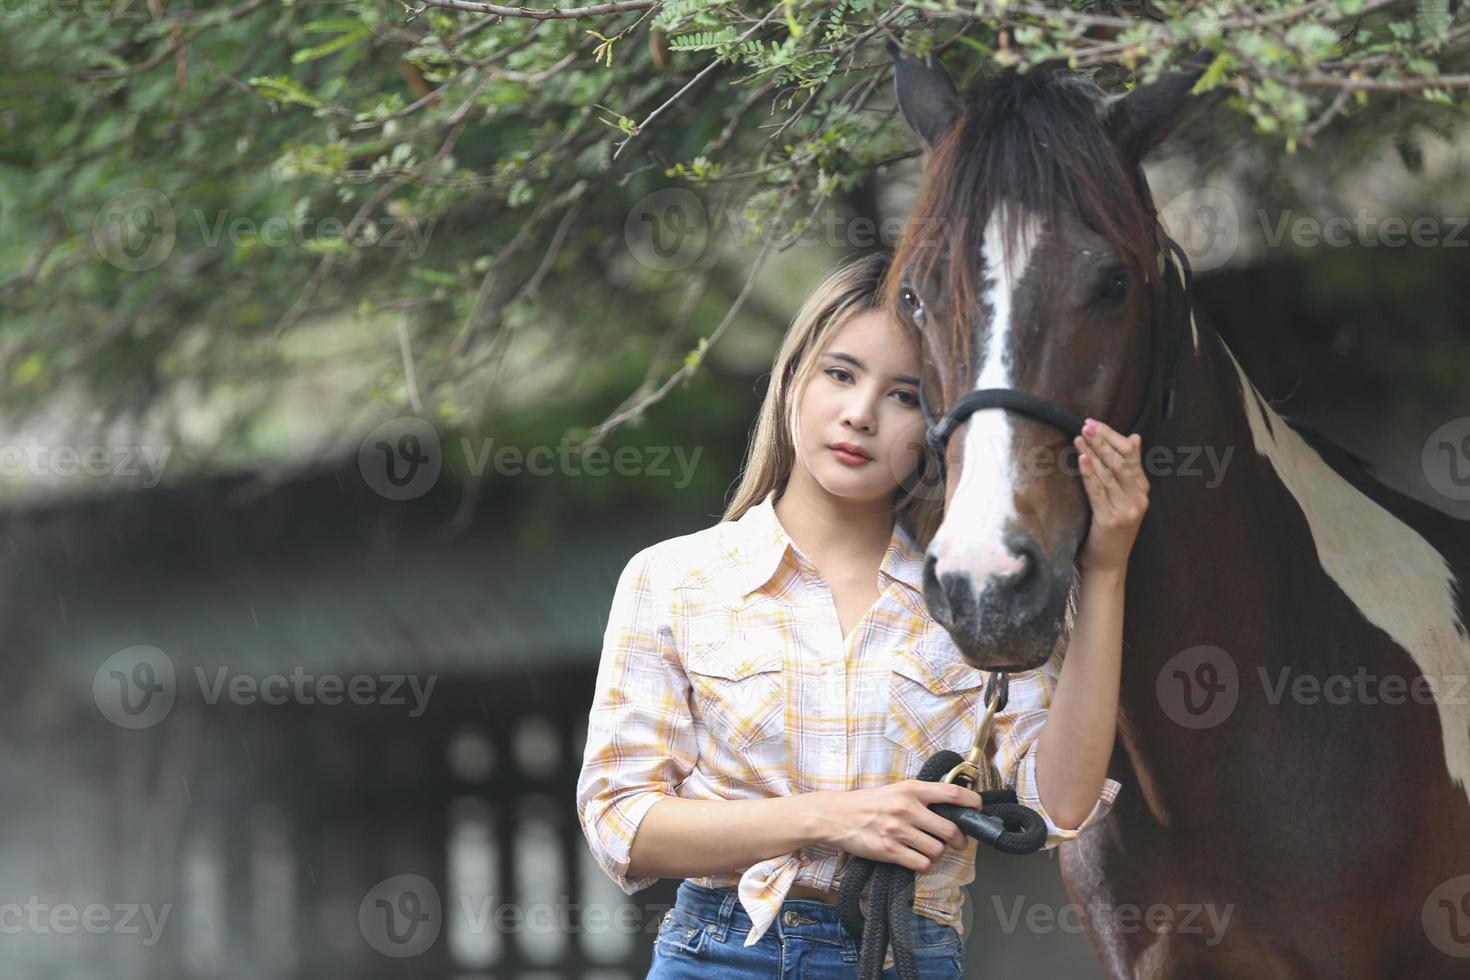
640 739
1016 729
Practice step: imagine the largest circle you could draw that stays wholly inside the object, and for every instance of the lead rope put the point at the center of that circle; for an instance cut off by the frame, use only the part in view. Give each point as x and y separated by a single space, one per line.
1002 823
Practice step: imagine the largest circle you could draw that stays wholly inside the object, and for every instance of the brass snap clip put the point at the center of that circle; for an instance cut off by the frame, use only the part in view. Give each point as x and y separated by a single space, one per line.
966 772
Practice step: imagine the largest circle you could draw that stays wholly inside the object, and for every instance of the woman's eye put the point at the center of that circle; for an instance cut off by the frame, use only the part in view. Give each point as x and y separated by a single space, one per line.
834 372
909 398
1115 287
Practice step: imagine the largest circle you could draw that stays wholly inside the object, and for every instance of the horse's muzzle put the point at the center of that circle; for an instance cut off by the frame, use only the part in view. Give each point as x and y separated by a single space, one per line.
1010 622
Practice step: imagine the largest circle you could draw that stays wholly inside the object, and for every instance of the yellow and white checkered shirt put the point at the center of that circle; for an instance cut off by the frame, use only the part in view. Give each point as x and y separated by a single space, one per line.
725 676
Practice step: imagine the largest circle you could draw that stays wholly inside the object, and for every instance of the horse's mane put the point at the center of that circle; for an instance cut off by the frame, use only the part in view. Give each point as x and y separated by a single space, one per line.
1325 447
1036 141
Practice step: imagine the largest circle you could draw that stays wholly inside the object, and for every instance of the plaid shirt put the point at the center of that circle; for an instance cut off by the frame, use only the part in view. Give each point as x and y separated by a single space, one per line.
725 676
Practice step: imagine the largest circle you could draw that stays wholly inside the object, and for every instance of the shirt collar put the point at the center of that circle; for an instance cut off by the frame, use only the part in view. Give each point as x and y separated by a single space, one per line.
761 543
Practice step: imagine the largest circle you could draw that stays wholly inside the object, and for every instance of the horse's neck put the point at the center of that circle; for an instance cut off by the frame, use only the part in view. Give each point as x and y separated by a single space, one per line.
1285 569
1208 569
1210 486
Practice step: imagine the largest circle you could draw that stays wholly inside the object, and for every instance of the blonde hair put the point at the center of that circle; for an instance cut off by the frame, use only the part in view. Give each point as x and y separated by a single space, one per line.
855 288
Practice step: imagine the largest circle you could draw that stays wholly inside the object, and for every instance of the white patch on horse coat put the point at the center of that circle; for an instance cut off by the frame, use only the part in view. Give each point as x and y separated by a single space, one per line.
1193 327
1399 582
983 505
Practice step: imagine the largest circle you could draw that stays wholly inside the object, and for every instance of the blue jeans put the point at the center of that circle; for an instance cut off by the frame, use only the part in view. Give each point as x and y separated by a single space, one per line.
703 938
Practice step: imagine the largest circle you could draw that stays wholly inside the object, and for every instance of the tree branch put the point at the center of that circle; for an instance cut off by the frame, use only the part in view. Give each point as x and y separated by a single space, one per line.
541 13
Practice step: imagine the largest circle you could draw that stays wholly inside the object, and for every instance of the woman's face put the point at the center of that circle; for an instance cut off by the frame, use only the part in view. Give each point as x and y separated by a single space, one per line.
864 392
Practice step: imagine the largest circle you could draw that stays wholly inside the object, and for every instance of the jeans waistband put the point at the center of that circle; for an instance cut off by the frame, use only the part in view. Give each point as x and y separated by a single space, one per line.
806 918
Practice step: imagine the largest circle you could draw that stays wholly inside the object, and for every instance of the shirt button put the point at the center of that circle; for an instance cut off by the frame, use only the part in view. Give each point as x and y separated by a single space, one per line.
789 918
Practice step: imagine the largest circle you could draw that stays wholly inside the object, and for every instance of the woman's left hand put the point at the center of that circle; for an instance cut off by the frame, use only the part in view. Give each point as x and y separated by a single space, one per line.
1115 482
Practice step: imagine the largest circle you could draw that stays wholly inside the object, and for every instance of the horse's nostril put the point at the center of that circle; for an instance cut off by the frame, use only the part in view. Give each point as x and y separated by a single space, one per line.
1024 547
1025 590
1015 592
939 598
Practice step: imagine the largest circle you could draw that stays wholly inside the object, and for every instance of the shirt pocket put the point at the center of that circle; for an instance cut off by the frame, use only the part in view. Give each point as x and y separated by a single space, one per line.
933 701
740 686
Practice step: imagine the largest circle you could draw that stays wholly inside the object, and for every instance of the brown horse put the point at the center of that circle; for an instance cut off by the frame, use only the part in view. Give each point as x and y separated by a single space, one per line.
1294 723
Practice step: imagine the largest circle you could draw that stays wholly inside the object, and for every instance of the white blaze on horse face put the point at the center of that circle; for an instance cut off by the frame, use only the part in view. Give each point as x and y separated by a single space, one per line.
983 506
1398 581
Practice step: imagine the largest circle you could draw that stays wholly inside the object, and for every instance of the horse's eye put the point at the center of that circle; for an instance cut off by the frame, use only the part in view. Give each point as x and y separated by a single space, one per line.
915 305
1116 286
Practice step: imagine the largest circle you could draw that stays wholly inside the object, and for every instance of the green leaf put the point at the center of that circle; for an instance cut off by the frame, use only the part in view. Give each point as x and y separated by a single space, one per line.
1213 74
702 40
791 24
435 277
1435 19
696 356
28 368
279 88
331 47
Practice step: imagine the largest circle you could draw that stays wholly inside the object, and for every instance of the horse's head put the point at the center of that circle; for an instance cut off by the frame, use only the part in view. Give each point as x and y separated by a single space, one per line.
1030 262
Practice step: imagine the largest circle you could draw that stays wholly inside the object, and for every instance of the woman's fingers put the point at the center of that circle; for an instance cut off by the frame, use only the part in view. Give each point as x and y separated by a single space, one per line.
927 792
1117 464
1097 494
1096 470
1110 435
1129 449
942 827
1124 457
1112 447
926 844
939 826
916 861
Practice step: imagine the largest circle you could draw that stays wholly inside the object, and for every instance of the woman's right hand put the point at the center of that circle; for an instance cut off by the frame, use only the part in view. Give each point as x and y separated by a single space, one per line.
892 823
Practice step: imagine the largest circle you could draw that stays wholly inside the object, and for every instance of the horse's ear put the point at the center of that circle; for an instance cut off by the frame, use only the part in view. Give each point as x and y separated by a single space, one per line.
926 94
1139 120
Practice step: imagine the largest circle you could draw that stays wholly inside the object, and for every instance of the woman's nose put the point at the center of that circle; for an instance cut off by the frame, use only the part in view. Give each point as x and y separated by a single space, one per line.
860 415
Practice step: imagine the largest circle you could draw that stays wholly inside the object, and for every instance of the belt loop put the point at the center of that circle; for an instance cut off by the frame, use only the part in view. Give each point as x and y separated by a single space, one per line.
727 908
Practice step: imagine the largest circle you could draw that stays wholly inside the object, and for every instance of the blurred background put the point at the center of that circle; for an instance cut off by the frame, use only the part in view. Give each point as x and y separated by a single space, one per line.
350 350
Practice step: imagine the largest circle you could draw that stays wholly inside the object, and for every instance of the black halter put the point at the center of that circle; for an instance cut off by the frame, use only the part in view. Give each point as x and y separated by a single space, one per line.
940 430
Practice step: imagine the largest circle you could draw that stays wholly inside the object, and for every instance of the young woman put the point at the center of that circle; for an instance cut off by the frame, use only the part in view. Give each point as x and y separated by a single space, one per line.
770 685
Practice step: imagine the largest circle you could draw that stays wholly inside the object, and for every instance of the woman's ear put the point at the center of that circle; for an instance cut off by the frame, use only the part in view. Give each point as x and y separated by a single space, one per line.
926 94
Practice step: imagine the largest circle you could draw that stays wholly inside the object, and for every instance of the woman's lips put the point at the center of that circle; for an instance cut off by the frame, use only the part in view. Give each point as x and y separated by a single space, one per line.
850 459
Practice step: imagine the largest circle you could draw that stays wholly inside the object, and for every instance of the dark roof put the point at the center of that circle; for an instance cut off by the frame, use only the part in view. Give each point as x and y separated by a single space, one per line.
320 573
